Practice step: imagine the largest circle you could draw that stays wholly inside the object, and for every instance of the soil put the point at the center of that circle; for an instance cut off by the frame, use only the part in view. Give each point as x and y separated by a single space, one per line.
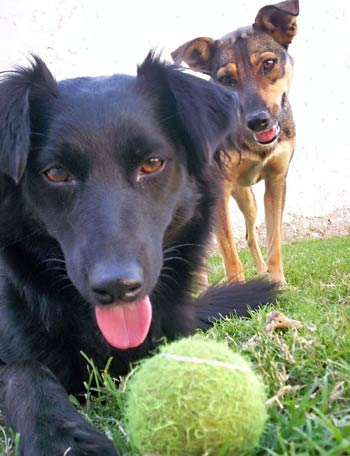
297 227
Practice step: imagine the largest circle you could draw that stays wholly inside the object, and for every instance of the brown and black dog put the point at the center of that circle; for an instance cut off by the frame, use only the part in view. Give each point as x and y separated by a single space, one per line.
254 62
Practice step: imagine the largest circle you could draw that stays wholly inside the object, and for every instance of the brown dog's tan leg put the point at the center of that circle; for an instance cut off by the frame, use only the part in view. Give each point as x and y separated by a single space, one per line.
274 203
245 199
274 200
226 240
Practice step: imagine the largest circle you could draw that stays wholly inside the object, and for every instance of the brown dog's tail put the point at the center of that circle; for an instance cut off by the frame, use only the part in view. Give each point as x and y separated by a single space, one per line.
233 299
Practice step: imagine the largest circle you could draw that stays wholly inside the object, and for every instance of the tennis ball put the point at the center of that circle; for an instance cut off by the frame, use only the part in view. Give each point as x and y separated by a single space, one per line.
195 397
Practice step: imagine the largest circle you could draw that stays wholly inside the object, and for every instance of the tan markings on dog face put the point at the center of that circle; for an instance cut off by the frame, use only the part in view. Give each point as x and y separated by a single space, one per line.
272 79
248 54
258 68
263 57
228 75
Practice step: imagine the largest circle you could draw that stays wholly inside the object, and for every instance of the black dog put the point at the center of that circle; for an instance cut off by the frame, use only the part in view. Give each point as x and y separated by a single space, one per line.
107 196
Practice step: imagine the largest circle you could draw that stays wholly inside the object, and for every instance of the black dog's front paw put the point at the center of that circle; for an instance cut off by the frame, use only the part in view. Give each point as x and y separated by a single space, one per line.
68 439
85 440
41 413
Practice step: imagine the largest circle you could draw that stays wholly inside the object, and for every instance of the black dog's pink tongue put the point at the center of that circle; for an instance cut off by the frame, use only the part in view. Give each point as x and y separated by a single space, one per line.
125 325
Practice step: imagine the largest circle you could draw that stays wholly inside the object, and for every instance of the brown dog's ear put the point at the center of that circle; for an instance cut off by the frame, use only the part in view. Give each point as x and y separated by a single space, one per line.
196 53
279 20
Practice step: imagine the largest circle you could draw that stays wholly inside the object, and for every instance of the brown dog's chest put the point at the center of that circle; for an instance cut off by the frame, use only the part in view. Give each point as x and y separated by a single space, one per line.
246 168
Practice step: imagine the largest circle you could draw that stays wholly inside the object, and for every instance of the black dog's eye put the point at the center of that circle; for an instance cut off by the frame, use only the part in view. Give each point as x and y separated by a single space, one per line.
228 80
57 174
151 165
268 65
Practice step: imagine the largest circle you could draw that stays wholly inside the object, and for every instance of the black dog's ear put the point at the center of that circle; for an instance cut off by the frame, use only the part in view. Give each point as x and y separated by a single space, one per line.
25 95
197 113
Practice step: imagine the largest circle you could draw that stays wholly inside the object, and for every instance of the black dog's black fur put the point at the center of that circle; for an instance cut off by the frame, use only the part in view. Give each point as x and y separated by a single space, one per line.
107 194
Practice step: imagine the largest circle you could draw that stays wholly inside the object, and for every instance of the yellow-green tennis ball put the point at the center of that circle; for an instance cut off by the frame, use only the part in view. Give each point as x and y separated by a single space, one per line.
195 397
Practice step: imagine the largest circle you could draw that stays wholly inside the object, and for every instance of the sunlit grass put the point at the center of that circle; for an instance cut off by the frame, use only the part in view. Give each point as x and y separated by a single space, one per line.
306 371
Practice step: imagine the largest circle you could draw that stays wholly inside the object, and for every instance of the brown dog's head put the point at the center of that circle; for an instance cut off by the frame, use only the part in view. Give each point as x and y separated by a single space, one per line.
254 62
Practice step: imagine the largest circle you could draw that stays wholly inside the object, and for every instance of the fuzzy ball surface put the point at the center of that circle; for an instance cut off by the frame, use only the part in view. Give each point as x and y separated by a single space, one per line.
195 397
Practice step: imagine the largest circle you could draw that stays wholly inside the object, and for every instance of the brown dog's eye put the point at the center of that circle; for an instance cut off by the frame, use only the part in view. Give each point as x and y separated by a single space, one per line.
151 165
228 80
268 65
57 174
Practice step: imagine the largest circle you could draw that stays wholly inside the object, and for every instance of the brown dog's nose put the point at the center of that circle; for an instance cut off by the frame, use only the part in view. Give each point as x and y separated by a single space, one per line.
111 284
258 121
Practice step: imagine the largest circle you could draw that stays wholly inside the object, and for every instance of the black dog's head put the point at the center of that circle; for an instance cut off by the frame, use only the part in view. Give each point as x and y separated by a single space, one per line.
111 168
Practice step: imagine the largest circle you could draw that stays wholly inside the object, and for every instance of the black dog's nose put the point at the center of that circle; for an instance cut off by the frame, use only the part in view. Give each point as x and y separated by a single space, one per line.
258 121
110 284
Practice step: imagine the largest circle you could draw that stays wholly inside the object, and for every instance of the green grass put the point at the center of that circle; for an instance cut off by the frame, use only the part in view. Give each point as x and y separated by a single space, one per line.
306 372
